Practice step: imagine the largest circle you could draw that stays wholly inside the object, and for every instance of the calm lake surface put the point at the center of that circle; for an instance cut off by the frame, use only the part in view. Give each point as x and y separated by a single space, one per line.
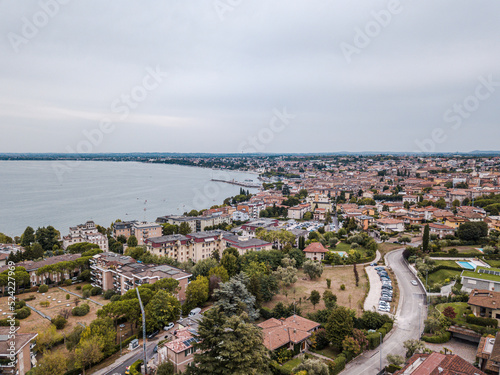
66 193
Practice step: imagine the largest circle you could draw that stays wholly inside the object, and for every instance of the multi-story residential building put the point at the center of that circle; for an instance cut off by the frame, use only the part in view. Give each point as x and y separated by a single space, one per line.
390 225
297 212
180 350
440 230
196 223
86 233
142 230
193 246
240 216
250 229
122 273
321 201
245 244
33 266
315 251
252 209
16 356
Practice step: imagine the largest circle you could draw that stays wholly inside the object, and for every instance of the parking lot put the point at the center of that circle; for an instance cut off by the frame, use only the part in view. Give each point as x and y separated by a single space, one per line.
381 293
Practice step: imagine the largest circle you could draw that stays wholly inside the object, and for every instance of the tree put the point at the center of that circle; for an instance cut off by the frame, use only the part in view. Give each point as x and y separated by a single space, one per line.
51 363
330 299
472 231
220 272
196 292
425 239
229 345
88 352
184 228
287 274
340 325
161 310
234 298
230 263
314 298
349 344
28 237
308 216
395 360
405 239
312 366
313 269
203 267
132 241
166 368
104 332
413 347
47 237
449 312
269 287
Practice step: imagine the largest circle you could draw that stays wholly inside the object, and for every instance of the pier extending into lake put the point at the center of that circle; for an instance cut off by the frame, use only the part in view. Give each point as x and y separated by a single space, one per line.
238 183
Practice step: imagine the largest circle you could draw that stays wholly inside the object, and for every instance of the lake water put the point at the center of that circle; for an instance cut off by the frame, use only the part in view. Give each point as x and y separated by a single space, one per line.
65 193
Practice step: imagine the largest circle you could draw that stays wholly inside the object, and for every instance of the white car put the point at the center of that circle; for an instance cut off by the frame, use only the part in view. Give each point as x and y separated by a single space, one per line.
414 282
168 327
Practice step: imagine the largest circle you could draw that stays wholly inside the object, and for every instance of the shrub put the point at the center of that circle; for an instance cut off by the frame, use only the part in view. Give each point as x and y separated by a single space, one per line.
23 312
320 337
109 293
7 323
59 321
392 368
439 338
68 296
266 313
30 298
19 304
81 310
485 322
34 289
342 287
87 287
337 365
135 367
373 340
45 303
116 297
43 288
95 291
86 294
328 283
68 282
78 287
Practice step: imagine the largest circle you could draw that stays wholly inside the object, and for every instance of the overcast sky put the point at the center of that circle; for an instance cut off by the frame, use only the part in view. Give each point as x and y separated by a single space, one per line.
211 75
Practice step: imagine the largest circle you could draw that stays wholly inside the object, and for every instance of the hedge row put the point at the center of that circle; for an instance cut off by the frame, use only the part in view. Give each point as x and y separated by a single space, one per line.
438 339
135 368
485 322
445 267
276 369
337 365
440 254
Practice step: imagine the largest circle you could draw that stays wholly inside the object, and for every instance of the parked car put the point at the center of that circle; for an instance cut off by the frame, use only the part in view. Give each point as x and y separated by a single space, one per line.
195 311
169 326
153 334
414 282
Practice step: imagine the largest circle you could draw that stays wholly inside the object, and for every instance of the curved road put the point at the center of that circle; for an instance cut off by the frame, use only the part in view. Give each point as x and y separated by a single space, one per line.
411 311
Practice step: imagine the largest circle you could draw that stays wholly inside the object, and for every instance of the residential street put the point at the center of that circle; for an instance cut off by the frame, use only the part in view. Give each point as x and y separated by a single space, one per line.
410 311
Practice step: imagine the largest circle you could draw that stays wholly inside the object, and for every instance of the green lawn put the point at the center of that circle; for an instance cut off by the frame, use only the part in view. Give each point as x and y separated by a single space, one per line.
342 247
493 262
459 307
329 352
450 263
464 249
290 365
440 276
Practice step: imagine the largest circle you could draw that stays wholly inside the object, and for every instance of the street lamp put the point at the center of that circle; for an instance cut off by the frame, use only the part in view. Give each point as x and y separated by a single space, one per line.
120 341
143 331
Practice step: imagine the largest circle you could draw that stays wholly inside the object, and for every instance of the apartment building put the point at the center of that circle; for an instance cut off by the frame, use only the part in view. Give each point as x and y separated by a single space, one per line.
196 223
252 209
122 273
33 266
297 212
142 230
440 230
249 229
390 225
16 356
244 244
85 233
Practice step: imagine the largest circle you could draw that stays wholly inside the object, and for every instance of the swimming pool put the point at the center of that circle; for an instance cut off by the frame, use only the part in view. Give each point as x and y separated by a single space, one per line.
467 265
341 253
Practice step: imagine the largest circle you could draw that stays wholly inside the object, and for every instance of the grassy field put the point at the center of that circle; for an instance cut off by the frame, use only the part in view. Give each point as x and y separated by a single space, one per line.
352 296
493 262
387 247
450 263
329 352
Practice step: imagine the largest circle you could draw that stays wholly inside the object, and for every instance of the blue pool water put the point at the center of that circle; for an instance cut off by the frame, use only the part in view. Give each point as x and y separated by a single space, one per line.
467 265
342 253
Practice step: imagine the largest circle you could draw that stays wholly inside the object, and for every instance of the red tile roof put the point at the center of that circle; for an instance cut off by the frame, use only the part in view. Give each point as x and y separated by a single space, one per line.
315 247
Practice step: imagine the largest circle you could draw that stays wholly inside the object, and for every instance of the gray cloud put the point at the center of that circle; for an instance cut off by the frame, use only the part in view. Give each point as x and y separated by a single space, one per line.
225 77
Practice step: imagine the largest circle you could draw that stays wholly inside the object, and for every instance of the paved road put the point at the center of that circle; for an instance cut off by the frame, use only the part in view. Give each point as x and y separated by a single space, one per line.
138 354
407 320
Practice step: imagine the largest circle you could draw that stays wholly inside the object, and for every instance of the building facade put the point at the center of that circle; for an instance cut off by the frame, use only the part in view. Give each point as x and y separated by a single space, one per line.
85 233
